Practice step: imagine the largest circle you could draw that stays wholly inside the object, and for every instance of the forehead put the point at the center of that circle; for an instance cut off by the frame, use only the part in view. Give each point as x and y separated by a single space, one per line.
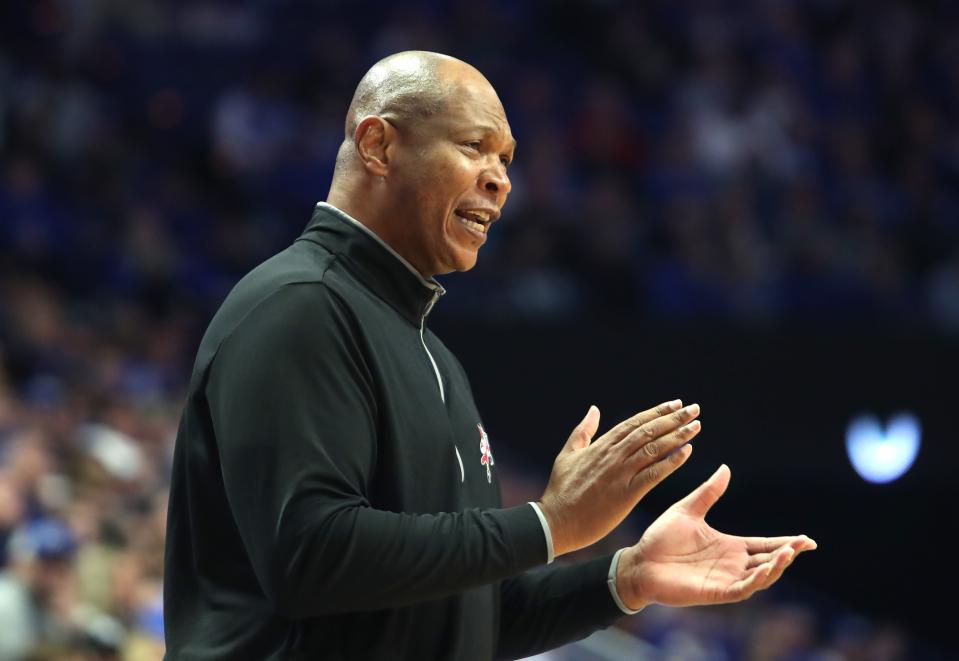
473 104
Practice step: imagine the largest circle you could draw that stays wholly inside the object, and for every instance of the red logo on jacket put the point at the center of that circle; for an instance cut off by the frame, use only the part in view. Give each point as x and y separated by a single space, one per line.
487 455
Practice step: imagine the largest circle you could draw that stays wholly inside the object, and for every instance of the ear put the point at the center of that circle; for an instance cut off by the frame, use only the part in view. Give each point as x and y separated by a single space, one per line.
373 138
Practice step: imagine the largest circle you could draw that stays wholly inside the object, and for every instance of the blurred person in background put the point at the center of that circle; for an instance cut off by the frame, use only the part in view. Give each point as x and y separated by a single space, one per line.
38 590
333 489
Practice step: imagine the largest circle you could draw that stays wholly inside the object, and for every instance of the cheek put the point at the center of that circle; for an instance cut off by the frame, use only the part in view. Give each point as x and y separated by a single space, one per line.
453 175
439 184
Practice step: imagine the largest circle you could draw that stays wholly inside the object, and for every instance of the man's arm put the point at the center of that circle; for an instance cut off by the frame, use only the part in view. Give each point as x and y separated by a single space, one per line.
293 407
545 608
679 561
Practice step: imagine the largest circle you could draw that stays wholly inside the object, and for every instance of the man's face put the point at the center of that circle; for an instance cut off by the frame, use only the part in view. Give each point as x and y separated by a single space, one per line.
450 175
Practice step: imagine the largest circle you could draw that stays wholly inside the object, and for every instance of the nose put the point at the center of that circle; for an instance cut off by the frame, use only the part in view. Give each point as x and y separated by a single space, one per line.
494 181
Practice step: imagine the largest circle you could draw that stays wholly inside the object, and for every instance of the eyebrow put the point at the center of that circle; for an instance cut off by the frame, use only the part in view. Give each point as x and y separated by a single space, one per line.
490 129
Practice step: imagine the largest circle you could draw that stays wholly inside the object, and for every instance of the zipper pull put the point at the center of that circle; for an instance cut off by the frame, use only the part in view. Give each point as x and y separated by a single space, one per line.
430 304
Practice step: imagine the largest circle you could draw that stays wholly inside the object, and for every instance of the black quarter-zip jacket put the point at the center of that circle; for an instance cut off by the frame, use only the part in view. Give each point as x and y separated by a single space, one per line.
332 497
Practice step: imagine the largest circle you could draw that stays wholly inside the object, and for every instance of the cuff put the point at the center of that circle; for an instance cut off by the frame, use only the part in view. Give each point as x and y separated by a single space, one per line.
525 534
550 555
611 582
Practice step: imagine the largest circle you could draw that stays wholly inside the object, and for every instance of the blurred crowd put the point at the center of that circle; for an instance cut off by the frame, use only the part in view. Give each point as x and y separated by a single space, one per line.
766 162
755 163
88 412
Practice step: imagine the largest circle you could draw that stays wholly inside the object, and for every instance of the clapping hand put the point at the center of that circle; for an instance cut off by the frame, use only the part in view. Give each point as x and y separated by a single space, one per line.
682 561
596 483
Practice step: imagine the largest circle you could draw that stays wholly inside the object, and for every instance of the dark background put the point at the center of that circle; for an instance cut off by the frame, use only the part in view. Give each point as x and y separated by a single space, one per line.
775 409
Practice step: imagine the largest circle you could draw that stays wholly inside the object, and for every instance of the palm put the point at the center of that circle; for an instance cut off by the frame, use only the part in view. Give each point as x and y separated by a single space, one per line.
683 561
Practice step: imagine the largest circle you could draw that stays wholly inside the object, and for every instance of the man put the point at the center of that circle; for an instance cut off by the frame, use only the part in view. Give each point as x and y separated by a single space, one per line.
335 492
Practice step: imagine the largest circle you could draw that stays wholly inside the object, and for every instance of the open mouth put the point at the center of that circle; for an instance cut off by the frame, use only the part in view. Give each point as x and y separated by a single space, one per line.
475 220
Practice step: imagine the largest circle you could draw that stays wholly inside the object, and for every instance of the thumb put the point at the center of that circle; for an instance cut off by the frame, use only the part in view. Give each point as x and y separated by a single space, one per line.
706 494
584 431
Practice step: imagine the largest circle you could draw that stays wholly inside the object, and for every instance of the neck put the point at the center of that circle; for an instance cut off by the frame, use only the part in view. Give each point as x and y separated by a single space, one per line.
366 206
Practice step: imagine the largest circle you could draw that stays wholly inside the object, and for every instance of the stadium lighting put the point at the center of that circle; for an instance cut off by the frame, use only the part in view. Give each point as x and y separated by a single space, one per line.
882 455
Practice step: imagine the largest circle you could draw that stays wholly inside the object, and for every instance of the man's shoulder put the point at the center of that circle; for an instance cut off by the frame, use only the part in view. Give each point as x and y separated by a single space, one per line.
297 286
302 262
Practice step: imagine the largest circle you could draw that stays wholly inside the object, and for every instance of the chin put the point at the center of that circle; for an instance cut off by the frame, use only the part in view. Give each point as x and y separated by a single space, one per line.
466 262
459 267
457 260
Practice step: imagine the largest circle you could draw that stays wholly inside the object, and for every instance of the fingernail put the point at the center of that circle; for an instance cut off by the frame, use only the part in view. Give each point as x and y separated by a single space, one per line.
695 425
675 404
692 409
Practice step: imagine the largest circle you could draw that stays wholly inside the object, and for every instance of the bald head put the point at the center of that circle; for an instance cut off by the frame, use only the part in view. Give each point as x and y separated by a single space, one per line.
404 87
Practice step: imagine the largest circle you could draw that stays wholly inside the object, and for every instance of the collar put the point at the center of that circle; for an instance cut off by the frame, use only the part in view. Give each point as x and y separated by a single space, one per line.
376 264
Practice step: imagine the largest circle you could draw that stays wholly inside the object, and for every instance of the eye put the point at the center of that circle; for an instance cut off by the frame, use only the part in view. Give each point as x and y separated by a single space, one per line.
505 161
473 144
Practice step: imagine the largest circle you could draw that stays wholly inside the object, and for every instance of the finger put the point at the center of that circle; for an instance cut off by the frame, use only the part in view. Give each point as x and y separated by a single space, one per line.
769 544
584 431
797 545
758 559
658 427
698 502
744 588
655 473
760 577
780 560
626 426
804 543
655 450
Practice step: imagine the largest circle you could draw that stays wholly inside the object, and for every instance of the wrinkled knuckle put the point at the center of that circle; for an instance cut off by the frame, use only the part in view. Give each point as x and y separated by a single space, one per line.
653 473
651 449
648 432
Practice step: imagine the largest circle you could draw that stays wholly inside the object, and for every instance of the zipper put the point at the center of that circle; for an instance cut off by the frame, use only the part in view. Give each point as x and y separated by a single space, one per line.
460 459
436 370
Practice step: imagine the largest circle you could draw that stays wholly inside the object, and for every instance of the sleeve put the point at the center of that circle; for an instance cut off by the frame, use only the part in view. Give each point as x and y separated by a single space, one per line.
613 565
546 608
613 590
294 414
547 533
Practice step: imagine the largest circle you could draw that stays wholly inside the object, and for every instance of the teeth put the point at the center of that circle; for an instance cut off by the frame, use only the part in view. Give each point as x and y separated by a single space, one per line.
473 225
482 216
